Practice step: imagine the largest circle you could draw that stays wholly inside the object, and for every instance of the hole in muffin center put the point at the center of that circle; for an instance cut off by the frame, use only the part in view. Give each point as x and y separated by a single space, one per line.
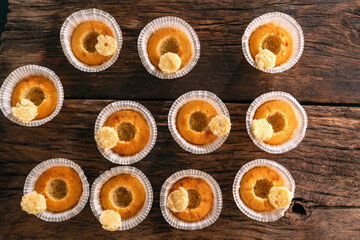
57 188
122 197
277 121
126 131
90 41
194 198
272 43
36 95
262 188
198 121
169 44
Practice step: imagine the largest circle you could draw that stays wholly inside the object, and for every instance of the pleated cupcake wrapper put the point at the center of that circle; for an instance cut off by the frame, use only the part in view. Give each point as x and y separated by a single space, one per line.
15 77
300 114
126 105
95 203
73 21
178 223
183 99
164 22
35 173
267 216
286 22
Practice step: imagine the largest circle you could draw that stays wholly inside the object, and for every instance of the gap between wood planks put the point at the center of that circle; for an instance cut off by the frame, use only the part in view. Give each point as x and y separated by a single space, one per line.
306 103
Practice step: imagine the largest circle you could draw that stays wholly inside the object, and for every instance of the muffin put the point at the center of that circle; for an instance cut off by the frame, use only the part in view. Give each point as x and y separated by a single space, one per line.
168 47
165 41
93 42
125 132
61 186
121 198
200 199
255 187
124 194
190 200
55 190
199 122
33 93
273 42
274 122
263 190
193 119
273 38
129 135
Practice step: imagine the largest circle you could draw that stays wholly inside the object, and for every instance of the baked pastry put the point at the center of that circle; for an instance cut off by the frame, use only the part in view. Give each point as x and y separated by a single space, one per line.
33 203
106 137
255 187
201 199
262 129
167 40
273 38
279 197
282 118
124 194
265 59
110 220
192 122
40 91
220 125
24 111
84 42
61 186
178 200
106 45
133 131
169 62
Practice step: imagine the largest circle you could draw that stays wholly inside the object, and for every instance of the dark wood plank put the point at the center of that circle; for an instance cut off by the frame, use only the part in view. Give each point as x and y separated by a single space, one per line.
3 16
328 71
325 167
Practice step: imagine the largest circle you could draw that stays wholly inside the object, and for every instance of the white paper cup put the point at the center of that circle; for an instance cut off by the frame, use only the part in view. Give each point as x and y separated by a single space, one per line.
286 22
14 78
126 105
178 223
73 21
267 216
95 203
183 99
33 176
299 132
164 22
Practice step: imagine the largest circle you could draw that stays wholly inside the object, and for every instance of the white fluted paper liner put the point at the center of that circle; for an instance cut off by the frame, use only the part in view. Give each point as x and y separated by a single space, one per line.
164 22
183 99
267 216
35 173
95 203
126 105
178 223
299 132
73 21
15 77
286 22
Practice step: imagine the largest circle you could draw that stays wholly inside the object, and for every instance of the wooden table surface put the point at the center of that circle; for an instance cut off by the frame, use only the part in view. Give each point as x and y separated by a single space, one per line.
325 166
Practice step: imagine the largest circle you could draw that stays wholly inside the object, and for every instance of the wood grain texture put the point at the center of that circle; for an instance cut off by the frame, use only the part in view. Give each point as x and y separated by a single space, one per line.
328 71
325 167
